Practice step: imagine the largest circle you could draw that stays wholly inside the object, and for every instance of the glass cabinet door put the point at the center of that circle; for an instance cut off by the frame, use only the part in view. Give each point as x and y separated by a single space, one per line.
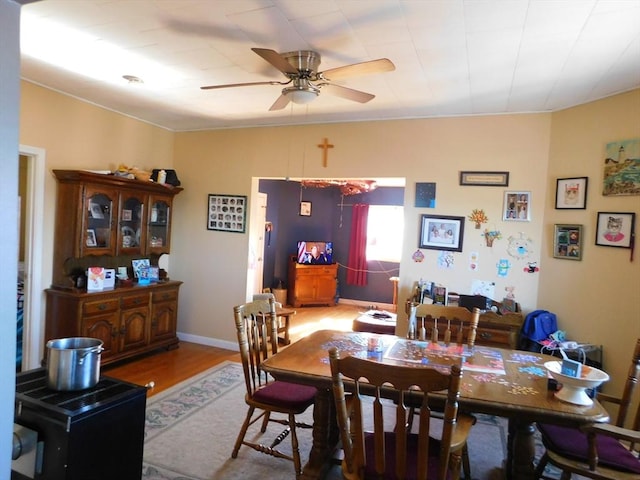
159 219
99 236
131 234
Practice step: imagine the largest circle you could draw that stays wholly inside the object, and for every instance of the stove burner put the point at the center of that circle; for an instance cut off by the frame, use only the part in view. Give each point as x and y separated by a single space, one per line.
32 387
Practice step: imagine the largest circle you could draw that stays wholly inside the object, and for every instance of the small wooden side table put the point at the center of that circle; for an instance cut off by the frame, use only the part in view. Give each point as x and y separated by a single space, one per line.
286 314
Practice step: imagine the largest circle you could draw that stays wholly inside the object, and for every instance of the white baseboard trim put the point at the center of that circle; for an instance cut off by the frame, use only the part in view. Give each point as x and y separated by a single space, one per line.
211 342
365 304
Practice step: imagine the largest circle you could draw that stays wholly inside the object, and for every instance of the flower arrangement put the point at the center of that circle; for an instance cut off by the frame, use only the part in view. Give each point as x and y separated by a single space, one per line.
478 216
491 235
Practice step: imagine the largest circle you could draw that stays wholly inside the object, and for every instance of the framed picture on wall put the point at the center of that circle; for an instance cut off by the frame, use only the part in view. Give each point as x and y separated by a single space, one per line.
571 193
567 242
517 206
305 209
615 229
227 213
440 232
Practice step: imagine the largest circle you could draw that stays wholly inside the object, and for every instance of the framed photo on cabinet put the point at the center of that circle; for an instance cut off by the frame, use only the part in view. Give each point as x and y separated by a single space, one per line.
91 238
571 193
567 242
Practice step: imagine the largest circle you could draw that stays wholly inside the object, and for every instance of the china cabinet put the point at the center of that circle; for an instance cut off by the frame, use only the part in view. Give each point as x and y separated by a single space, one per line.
108 221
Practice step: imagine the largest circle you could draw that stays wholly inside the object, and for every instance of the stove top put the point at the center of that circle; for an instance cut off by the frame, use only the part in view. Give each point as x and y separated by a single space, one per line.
31 390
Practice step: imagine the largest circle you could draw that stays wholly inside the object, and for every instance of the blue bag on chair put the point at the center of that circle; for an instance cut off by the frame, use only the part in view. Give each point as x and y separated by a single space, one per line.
539 324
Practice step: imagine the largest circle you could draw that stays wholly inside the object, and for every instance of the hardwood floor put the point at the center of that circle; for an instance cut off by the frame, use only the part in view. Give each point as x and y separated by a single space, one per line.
167 368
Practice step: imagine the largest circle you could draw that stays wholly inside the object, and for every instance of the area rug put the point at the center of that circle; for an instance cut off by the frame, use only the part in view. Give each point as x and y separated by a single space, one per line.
190 430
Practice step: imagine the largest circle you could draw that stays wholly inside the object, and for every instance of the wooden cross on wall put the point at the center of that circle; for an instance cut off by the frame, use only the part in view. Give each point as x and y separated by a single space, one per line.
325 145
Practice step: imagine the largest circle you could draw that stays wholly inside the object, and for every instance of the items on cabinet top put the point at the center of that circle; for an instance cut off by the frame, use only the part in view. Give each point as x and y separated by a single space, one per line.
108 218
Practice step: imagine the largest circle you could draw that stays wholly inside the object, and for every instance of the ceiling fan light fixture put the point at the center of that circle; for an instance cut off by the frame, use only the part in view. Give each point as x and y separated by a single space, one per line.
301 95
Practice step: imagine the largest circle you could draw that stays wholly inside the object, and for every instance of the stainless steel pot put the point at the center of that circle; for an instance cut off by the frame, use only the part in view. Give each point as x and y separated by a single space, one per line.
73 363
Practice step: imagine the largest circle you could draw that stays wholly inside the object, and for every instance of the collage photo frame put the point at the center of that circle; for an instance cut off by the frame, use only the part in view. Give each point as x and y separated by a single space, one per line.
227 213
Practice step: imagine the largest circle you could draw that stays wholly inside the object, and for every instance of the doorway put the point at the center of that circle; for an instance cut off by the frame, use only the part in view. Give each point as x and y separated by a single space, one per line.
31 241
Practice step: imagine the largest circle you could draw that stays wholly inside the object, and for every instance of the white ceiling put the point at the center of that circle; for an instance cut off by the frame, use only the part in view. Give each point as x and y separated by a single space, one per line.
452 57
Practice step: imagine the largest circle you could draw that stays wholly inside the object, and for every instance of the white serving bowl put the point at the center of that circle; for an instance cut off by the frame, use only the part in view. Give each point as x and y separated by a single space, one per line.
573 388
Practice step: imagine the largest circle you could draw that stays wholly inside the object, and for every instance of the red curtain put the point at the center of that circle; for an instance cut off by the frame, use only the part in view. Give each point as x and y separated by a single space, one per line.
357 264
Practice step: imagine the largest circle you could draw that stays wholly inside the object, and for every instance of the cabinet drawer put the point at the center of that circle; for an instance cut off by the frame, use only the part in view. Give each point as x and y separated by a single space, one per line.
100 306
491 336
165 296
315 271
135 301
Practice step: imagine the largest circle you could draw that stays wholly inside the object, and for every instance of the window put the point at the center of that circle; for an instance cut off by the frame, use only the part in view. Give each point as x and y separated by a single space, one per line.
385 231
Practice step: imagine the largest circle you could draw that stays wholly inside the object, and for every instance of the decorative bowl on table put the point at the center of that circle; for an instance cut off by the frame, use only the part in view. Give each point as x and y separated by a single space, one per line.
574 388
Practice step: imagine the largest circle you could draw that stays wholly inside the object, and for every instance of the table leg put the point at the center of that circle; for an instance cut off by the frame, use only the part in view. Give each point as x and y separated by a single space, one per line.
287 322
325 436
520 450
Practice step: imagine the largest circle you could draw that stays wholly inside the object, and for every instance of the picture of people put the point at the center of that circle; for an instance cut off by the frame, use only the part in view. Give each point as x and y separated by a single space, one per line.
440 232
517 206
315 253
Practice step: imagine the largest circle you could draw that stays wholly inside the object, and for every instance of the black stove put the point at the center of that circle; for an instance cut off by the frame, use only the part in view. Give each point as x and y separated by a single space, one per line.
91 434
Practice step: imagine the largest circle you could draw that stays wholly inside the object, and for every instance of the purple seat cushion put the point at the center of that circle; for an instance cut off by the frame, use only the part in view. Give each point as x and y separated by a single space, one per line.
572 443
390 454
288 395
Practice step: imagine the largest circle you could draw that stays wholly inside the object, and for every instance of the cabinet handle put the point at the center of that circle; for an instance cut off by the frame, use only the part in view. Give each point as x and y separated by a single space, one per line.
485 335
102 306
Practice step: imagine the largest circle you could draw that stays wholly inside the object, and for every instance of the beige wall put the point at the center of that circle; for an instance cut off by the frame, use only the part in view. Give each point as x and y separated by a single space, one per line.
598 298
78 135
225 161
536 149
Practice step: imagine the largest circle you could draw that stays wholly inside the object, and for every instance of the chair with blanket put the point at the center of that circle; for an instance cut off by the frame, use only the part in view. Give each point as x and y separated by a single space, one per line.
264 395
390 450
599 451
283 315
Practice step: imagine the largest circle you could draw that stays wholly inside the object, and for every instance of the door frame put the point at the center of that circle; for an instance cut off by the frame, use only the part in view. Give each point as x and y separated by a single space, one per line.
34 235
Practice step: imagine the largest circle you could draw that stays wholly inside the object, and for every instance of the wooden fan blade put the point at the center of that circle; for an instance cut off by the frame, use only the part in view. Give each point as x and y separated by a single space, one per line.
280 103
348 93
250 84
277 60
365 68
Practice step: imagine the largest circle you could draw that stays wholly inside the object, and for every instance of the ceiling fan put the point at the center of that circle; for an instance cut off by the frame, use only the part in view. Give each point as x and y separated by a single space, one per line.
305 81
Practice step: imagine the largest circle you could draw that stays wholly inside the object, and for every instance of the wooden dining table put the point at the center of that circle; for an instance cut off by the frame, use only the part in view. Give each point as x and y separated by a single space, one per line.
502 382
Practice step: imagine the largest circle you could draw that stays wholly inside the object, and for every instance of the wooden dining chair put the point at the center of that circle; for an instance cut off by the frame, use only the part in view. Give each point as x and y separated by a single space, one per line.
460 323
390 450
257 339
449 325
282 323
599 451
